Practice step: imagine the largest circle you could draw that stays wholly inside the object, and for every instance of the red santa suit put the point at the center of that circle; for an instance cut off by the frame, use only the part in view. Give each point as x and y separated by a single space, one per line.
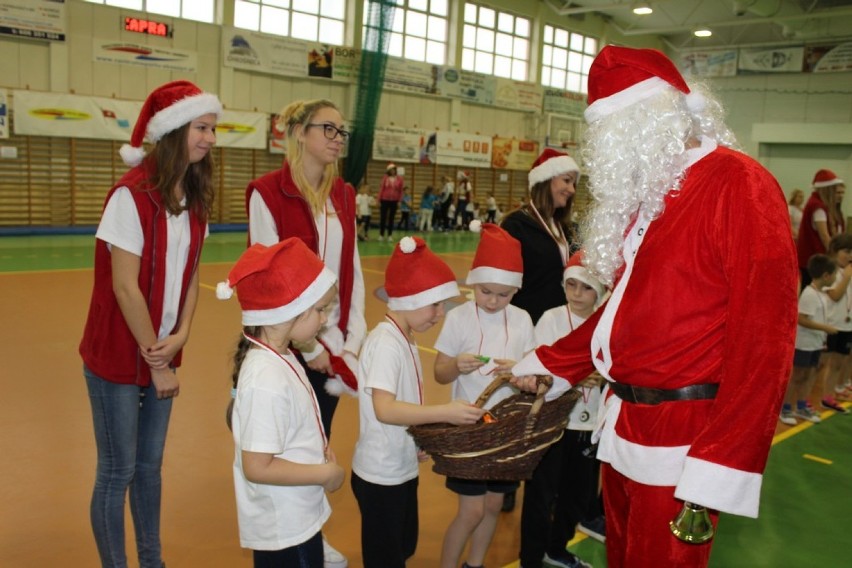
707 297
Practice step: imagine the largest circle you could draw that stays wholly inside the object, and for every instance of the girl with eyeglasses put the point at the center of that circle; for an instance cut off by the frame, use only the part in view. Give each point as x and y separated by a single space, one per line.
307 199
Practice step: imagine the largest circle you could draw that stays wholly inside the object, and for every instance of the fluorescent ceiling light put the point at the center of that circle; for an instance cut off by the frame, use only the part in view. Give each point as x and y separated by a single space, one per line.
643 9
702 32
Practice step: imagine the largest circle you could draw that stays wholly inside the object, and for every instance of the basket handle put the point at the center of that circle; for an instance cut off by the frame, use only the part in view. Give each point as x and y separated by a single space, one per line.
543 383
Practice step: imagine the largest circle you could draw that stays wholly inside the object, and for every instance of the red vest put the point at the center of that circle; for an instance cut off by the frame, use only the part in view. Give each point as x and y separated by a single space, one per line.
108 347
294 218
809 242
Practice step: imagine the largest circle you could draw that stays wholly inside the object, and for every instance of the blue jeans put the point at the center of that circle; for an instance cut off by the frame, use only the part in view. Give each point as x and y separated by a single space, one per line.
305 555
130 432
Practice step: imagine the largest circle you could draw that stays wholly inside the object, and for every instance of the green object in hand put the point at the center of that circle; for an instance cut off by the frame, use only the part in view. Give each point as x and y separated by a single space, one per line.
483 358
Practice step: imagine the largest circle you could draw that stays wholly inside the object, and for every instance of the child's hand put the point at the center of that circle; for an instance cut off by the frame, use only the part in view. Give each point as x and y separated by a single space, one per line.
336 473
422 456
461 412
504 365
468 362
165 383
847 270
831 330
527 383
322 363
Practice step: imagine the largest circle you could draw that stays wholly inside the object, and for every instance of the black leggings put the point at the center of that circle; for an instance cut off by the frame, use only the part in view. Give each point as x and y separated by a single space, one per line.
389 522
387 213
309 553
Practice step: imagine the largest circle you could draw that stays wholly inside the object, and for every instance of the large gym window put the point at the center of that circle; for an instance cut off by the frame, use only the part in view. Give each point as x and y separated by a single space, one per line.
495 42
566 58
419 29
198 10
311 20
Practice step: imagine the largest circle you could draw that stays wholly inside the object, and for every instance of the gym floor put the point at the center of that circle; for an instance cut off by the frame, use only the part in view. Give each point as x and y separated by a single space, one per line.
48 452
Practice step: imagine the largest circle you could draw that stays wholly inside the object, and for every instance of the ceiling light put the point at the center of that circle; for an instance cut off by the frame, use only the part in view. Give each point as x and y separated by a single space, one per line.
702 32
643 9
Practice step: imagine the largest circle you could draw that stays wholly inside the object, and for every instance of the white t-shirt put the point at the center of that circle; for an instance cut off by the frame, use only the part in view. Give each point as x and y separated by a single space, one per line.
364 203
839 313
796 217
263 229
120 226
275 412
507 334
553 325
814 305
385 454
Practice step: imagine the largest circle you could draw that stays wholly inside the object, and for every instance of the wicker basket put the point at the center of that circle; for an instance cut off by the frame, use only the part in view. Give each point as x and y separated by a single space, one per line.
508 448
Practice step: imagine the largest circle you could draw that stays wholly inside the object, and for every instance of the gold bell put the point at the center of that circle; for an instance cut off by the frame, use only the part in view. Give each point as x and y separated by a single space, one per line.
692 524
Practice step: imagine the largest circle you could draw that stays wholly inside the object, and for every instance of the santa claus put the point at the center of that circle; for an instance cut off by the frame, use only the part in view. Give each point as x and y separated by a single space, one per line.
696 341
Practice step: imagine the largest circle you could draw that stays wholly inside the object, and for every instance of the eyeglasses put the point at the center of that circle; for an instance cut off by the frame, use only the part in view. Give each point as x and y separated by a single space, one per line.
330 131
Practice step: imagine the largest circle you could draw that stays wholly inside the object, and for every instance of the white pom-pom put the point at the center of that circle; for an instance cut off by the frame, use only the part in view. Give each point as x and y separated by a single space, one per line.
476 226
224 291
407 245
335 387
695 102
132 156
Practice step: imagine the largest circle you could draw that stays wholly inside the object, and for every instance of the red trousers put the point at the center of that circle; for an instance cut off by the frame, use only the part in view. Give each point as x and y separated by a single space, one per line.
637 525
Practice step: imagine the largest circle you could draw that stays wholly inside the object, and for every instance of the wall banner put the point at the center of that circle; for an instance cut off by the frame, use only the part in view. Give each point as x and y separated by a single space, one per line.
772 60
563 102
518 95
409 76
244 49
466 85
712 63
126 53
56 114
4 113
395 144
242 129
34 19
462 149
513 154
828 59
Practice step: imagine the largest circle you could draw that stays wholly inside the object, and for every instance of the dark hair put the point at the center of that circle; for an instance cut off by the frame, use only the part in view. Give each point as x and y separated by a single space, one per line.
820 265
840 242
542 198
243 345
428 190
172 158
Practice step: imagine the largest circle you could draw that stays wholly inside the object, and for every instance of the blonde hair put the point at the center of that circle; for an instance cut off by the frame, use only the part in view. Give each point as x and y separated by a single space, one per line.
294 117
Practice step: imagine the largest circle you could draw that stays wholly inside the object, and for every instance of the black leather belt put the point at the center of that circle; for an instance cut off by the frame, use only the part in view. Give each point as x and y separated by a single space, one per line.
646 395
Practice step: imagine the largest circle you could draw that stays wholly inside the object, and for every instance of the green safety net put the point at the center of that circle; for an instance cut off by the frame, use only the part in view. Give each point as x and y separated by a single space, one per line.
371 77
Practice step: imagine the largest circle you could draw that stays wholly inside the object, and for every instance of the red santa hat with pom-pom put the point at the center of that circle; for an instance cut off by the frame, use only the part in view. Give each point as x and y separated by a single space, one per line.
622 76
826 178
416 277
498 257
167 108
549 164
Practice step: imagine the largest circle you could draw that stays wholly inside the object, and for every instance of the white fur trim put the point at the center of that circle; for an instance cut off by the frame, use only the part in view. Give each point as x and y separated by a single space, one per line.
582 274
551 168
491 275
182 112
335 387
131 155
475 226
696 102
720 487
439 293
829 183
306 299
224 291
623 99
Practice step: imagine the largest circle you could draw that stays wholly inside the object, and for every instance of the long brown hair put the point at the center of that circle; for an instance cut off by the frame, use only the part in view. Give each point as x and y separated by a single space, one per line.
172 158
542 198
293 118
836 223
243 346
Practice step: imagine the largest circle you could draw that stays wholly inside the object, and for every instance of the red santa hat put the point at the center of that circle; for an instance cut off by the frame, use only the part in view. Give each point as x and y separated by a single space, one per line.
167 108
390 166
416 277
498 257
278 283
576 270
622 76
826 178
549 164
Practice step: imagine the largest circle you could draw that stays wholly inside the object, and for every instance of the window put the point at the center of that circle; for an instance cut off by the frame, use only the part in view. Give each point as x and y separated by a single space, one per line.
198 10
566 59
311 20
419 29
495 43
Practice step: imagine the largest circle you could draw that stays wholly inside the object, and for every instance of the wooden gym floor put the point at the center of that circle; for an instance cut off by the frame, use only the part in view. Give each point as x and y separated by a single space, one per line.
48 453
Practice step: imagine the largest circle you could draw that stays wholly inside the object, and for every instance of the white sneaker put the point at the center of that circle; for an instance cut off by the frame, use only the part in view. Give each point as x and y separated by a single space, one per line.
331 557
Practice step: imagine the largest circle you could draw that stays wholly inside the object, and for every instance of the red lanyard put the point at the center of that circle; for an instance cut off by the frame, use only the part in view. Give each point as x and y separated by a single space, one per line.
413 358
482 335
308 388
558 236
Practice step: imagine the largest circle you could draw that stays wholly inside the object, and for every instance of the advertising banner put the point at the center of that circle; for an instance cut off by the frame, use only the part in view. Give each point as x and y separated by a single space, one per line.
563 102
395 144
244 49
34 19
466 85
242 129
409 76
828 59
4 113
711 63
463 149
126 53
56 114
772 60
518 95
513 154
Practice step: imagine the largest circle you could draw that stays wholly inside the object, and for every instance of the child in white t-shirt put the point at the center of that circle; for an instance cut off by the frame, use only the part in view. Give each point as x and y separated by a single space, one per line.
811 335
282 463
364 202
480 338
390 398
837 359
563 489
